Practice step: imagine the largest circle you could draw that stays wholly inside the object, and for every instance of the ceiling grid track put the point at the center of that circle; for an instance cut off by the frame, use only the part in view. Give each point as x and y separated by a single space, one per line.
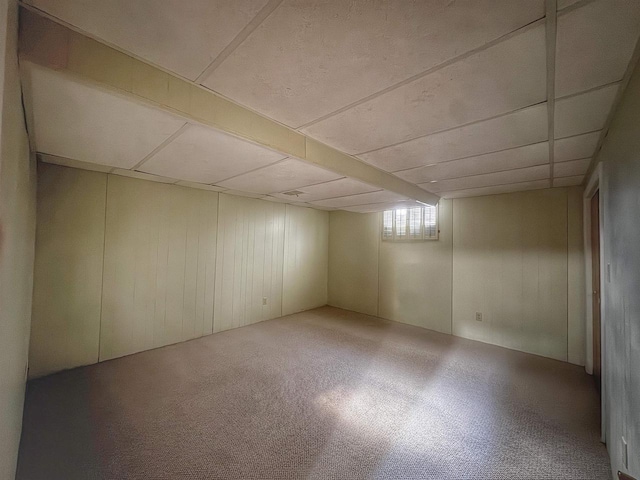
472 112
237 41
551 24
170 139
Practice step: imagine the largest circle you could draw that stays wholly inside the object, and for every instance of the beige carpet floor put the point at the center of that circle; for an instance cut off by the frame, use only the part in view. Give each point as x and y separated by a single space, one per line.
322 394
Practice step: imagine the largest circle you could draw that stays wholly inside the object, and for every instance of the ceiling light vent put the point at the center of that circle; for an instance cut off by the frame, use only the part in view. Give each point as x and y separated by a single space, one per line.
293 193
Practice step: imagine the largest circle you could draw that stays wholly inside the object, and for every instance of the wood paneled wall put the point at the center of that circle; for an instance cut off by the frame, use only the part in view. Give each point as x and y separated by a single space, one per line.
415 278
126 265
306 260
516 258
159 265
250 257
510 265
65 321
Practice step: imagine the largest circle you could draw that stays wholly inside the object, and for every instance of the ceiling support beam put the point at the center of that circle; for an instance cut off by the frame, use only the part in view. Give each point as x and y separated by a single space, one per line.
551 31
49 44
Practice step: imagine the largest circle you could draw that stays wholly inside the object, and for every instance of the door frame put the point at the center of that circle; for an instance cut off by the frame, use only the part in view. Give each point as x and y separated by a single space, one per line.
594 184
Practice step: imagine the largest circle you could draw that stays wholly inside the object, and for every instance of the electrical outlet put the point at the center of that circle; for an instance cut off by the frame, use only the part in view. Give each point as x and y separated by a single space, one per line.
264 300
478 316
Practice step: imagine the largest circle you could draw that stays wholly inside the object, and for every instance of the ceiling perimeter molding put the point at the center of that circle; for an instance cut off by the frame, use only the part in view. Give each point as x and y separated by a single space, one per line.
52 45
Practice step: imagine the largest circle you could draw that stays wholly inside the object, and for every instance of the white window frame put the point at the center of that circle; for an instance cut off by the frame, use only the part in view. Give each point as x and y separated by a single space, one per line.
407 238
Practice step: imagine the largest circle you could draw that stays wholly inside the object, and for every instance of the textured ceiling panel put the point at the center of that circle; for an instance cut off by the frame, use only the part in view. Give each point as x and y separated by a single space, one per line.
309 59
494 190
335 188
201 154
361 199
500 79
184 37
528 156
572 168
523 127
572 148
501 178
584 113
79 122
595 43
286 175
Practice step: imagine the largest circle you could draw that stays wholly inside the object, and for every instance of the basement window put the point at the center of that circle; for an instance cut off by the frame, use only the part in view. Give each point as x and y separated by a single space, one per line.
410 224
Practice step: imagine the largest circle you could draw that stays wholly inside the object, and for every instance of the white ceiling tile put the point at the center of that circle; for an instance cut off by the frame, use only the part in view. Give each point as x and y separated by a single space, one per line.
585 112
498 189
201 186
571 148
523 127
184 37
594 44
501 178
572 168
521 157
204 155
308 59
142 176
360 199
500 79
568 181
335 188
286 175
88 124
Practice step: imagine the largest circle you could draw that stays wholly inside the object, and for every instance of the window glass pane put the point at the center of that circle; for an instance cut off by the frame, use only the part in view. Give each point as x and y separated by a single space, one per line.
387 224
430 222
401 223
415 218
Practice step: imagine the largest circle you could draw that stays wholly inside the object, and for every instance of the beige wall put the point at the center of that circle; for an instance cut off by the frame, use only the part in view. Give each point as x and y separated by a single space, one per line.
516 258
619 200
127 265
415 278
159 262
67 292
306 250
354 239
576 327
249 261
510 264
17 233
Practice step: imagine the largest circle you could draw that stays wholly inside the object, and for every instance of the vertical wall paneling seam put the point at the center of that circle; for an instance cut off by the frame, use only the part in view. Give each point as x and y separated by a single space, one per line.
452 252
379 237
551 31
184 275
215 263
219 242
196 320
104 249
284 259
567 259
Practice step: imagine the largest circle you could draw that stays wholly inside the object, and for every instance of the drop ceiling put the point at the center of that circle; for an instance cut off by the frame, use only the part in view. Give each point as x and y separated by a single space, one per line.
455 97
